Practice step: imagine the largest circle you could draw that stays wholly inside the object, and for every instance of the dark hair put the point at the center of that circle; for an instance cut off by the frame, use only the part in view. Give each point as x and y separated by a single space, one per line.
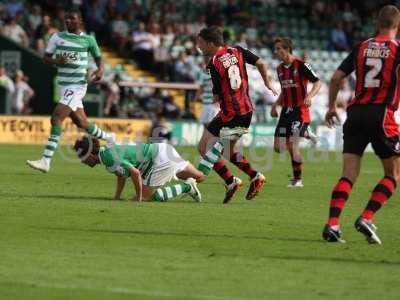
86 145
74 11
286 43
388 17
212 34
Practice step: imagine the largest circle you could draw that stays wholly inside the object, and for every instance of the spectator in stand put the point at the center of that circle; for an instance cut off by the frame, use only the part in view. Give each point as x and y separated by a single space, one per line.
59 21
170 109
338 39
23 93
111 108
95 17
155 36
6 82
169 36
270 35
13 7
183 69
43 33
15 32
133 108
242 40
120 33
252 33
161 59
143 47
232 11
34 18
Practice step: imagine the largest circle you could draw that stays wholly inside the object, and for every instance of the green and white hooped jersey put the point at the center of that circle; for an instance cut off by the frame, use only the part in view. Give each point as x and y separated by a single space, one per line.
76 48
119 159
206 83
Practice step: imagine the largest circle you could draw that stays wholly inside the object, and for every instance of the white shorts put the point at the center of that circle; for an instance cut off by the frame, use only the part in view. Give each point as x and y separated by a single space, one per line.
167 163
72 96
208 113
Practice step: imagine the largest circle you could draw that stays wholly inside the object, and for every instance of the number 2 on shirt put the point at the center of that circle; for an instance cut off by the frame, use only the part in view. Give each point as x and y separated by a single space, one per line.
234 77
370 77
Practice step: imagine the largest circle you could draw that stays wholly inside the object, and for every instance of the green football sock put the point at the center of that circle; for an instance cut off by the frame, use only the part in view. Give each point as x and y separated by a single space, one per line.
95 131
210 158
166 193
52 142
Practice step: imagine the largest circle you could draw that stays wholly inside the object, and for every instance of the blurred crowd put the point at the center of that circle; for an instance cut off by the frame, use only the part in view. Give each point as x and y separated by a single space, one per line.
18 90
159 35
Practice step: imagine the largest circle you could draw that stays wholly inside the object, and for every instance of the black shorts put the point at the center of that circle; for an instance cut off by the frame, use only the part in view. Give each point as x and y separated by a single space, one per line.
214 127
291 123
373 124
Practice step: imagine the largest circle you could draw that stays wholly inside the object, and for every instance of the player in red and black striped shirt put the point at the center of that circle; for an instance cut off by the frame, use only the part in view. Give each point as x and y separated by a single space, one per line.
294 76
231 90
370 119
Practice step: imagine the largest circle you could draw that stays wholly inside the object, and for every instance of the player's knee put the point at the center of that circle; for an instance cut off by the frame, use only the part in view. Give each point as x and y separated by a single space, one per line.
55 120
201 148
80 123
200 178
352 175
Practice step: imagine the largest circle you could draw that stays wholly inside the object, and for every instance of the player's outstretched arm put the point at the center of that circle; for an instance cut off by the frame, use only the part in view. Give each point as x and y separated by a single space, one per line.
334 87
262 69
138 183
120 187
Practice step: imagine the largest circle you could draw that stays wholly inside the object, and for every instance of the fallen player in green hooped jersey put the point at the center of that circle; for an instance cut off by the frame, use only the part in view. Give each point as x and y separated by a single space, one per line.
149 166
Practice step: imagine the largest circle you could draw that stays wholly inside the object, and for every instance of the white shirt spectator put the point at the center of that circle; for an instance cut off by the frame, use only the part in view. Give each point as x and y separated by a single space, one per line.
15 32
23 92
6 81
142 40
120 27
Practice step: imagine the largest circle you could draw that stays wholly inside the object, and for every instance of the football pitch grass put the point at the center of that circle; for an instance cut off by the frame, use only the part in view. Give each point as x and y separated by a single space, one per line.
63 237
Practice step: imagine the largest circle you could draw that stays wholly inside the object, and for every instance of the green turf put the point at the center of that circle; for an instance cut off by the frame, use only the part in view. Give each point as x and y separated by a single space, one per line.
62 237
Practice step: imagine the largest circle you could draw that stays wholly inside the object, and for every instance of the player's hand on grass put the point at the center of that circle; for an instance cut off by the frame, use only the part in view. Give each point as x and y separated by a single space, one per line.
332 118
97 75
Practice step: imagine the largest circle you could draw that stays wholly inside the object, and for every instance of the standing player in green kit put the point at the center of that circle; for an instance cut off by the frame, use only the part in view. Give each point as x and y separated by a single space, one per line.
69 52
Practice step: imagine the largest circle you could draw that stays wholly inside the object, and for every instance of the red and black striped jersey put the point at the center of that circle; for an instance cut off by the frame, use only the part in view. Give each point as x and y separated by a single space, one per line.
376 62
294 79
230 80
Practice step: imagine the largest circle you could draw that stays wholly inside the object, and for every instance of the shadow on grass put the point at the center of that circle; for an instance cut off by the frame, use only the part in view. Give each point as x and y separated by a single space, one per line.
185 200
240 237
181 234
57 196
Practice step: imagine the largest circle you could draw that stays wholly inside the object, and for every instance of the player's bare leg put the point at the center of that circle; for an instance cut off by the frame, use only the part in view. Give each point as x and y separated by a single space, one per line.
80 119
379 197
340 194
279 144
208 147
191 172
60 113
293 148
257 179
